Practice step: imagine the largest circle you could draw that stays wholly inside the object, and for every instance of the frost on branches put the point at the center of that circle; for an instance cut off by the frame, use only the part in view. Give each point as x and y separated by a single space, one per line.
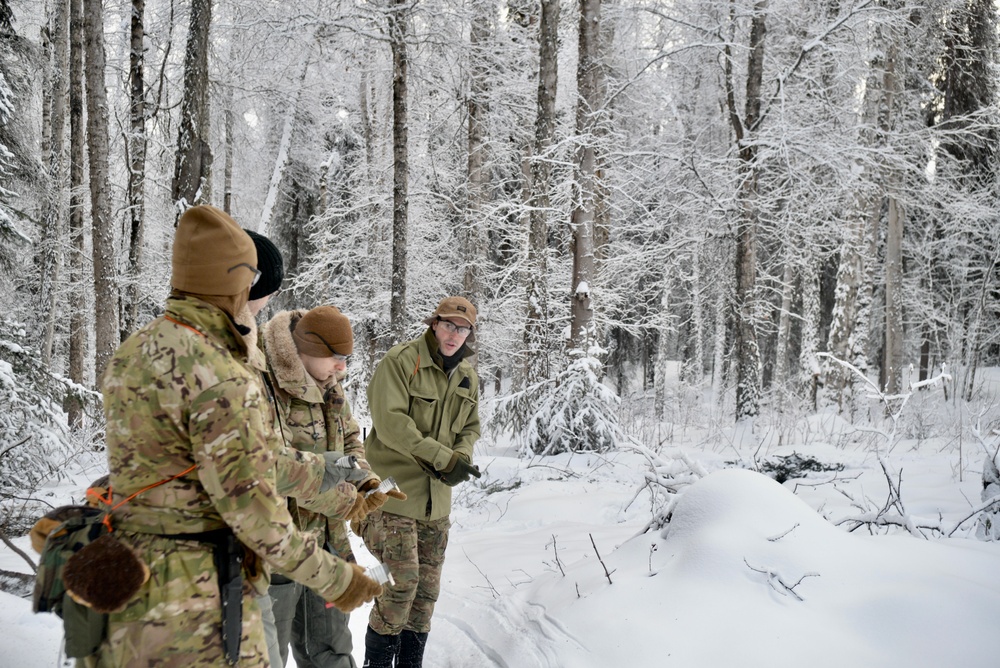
989 519
33 432
574 412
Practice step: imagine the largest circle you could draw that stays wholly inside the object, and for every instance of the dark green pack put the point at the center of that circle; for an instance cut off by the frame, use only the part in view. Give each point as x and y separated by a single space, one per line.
84 627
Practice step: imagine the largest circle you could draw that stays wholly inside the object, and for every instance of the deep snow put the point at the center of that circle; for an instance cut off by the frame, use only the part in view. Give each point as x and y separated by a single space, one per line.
706 590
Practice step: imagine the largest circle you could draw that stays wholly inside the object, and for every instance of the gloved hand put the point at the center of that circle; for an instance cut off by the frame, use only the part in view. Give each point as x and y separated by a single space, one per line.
370 502
458 470
361 590
335 473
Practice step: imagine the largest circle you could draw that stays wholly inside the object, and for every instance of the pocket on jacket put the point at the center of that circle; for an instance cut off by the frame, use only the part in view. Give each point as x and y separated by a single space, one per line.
464 410
422 410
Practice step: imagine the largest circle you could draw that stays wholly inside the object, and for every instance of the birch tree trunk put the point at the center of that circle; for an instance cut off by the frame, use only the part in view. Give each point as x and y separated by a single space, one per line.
78 299
398 19
588 107
284 148
107 336
536 362
135 200
191 184
894 298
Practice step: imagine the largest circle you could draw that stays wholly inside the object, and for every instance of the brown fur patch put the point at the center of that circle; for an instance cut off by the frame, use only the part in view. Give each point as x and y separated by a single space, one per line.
105 575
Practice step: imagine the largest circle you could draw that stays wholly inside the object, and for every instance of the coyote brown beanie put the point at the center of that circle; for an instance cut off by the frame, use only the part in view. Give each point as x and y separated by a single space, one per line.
212 254
323 332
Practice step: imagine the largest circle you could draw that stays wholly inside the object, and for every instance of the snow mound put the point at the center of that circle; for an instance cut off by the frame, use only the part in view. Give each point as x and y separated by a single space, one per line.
747 574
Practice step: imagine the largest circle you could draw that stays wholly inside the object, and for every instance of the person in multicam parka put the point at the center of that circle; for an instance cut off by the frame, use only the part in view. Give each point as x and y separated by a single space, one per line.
307 355
191 449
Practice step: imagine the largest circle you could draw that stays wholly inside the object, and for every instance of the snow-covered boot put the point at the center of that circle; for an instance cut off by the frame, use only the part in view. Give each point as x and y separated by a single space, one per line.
411 649
380 650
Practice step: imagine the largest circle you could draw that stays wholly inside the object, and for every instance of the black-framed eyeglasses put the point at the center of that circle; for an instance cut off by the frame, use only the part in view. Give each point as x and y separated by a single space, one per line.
255 270
452 328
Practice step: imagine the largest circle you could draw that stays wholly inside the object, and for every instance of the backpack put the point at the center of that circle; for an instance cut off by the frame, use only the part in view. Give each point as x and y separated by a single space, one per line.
84 627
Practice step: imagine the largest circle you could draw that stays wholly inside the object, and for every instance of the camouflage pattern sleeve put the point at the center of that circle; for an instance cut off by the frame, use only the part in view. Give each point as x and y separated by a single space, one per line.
300 475
236 466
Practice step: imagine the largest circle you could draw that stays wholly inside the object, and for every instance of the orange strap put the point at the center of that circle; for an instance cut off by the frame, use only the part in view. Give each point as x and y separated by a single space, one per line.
184 325
107 500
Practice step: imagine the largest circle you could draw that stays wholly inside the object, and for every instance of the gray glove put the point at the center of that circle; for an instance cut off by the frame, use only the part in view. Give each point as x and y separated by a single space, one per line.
341 469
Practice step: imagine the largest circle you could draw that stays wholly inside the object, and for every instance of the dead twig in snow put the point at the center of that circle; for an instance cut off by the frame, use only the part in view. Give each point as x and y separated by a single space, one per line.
607 573
493 589
778 583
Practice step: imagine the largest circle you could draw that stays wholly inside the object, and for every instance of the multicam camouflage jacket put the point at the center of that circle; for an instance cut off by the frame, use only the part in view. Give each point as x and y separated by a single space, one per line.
313 418
179 397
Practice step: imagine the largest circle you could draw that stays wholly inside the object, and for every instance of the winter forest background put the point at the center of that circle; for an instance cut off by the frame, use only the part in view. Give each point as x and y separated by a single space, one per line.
712 213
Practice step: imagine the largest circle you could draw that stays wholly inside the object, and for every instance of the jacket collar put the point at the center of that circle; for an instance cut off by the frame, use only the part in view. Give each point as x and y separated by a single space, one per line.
208 320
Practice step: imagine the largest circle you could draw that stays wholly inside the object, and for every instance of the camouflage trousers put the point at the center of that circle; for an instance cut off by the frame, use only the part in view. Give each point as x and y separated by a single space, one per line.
414 552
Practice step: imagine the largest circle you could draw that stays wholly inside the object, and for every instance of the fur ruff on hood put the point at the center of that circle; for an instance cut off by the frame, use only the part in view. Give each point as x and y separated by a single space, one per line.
283 358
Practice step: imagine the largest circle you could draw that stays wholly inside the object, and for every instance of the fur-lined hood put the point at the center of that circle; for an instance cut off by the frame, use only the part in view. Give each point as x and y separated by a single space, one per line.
283 358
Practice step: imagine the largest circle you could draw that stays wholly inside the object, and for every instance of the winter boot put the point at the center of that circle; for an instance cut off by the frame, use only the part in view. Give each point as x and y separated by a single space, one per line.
380 650
411 649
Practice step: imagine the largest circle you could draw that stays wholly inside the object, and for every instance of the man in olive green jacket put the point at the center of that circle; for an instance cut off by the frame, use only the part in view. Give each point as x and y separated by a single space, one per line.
192 455
424 400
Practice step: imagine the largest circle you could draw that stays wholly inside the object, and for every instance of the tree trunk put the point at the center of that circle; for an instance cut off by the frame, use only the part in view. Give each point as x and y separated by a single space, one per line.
55 209
135 198
284 149
78 299
478 179
788 286
589 106
747 350
894 298
191 183
398 19
227 179
536 362
107 336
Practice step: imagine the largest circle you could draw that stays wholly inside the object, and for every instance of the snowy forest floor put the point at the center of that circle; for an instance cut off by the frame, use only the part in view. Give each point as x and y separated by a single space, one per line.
550 562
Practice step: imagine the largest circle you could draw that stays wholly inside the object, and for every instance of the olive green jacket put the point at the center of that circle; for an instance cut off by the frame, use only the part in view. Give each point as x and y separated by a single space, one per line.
419 411
313 418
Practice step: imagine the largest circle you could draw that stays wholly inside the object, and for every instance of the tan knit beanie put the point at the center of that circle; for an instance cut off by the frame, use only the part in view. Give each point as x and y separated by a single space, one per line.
212 254
323 332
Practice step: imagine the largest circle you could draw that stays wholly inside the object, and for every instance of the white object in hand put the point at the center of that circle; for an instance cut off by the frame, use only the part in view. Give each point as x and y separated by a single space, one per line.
380 574
385 486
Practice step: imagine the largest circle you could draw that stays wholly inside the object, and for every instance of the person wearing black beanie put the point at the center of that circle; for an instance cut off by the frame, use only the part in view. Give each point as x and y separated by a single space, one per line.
272 272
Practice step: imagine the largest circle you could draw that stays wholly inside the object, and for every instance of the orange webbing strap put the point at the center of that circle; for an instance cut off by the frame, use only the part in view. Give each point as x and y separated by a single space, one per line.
106 500
184 325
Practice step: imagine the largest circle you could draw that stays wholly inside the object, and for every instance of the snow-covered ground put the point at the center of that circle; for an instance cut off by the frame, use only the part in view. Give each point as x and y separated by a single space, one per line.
549 564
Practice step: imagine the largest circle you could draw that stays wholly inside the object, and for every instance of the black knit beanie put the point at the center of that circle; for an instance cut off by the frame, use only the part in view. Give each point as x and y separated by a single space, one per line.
270 264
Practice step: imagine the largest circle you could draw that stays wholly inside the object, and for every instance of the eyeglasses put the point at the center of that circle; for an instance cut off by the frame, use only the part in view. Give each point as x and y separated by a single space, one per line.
452 328
344 359
255 270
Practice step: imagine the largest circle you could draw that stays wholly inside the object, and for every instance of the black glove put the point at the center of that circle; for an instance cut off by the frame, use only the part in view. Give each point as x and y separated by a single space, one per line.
459 470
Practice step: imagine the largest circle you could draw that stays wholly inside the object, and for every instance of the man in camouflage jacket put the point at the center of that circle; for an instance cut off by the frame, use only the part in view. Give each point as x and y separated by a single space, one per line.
306 360
191 449
424 399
